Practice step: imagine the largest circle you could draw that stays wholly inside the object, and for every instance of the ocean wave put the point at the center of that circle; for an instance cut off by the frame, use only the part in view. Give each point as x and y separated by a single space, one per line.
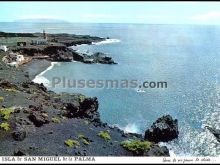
194 142
200 142
107 41
173 151
41 79
129 128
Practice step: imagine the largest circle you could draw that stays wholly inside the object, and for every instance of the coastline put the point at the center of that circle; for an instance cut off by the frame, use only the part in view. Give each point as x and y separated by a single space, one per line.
36 67
35 72
44 118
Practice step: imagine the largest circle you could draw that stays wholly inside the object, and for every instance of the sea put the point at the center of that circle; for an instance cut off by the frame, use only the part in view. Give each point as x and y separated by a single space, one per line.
187 57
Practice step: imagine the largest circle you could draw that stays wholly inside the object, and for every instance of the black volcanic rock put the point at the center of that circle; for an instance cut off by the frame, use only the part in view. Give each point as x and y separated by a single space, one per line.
19 153
56 52
58 49
157 151
19 134
97 57
163 130
85 109
38 118
89 107
6 84
61 57
54 49
77 56
41 87
71 39
102 58
61 53
28 50
215 132
71 110
35 108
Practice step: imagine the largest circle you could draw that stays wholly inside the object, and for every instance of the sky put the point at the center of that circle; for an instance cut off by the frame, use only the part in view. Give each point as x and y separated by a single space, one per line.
115 12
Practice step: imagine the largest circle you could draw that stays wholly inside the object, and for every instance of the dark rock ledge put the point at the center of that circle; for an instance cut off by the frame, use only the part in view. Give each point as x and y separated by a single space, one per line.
163 130
42 121
57 47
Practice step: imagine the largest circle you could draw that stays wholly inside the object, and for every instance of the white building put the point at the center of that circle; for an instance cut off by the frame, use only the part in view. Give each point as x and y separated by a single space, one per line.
3 47
13 59
39 42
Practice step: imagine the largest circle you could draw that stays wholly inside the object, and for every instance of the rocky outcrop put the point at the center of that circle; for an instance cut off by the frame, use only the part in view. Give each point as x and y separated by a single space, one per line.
19 133
102 58
215 132
57 49
19 153
37 116
85 109
97 57
89 108
28 50
163 130
78 56
38 119
56 52
7 85
157 151
41 87
71 39
59 53
71 115
71 110
62 53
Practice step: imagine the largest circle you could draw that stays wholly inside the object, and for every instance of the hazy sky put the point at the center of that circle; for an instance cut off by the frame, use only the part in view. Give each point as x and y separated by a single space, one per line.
115 12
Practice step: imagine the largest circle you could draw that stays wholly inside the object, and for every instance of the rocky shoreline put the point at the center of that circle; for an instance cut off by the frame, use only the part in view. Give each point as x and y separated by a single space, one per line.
57 47
35 121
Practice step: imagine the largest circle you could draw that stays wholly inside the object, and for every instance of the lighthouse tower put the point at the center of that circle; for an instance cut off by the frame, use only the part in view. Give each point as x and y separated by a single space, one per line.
44 35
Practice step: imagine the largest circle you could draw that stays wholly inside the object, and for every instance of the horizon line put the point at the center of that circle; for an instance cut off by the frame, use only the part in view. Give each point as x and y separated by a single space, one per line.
68 22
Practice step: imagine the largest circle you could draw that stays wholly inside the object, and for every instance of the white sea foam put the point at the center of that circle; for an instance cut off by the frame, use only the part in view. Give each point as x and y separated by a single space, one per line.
130 128
41 79
172 153
200 142
74 48
193 142
107 41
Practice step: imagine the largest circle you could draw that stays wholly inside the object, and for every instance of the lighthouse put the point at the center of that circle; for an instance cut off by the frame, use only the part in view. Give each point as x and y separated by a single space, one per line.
40 40
44 35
